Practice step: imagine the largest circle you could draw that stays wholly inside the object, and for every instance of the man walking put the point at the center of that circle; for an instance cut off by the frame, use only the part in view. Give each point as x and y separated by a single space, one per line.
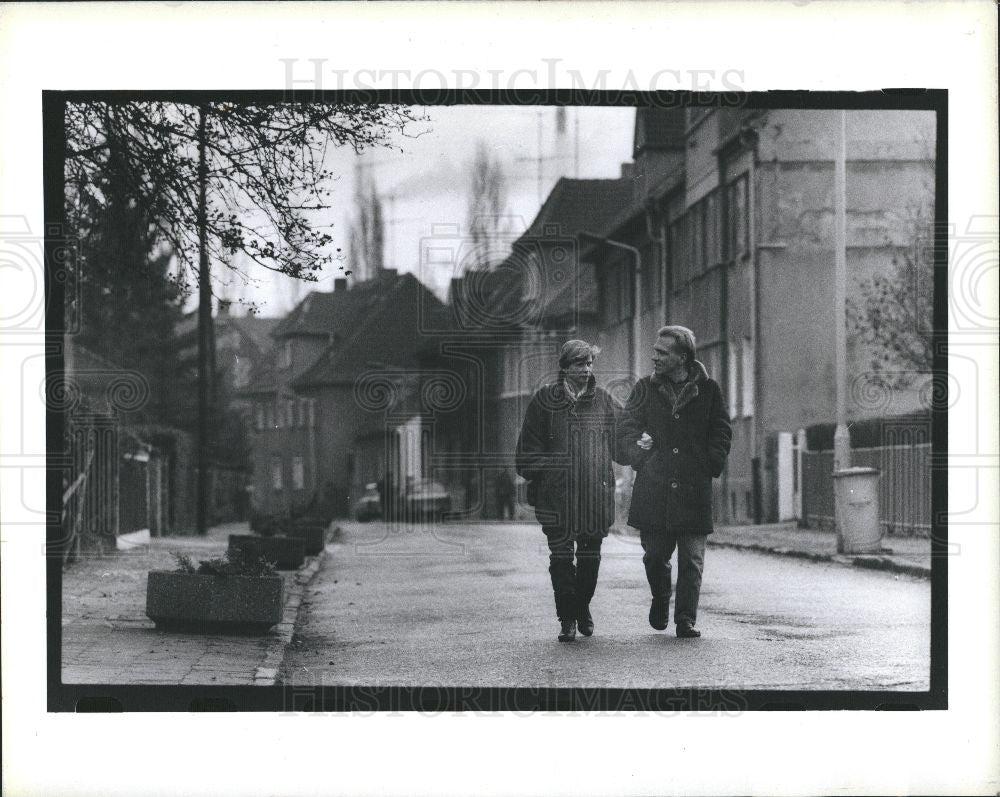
565 451
675 433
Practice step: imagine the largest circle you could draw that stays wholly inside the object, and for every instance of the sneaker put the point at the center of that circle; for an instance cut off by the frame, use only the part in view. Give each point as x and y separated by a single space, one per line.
567 633
658 613
585 623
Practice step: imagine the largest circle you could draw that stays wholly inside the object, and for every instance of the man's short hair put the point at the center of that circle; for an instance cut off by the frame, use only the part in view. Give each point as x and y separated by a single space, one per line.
576 349
684 340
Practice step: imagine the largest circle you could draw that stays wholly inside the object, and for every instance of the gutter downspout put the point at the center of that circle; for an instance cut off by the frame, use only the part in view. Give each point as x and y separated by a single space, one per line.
636 293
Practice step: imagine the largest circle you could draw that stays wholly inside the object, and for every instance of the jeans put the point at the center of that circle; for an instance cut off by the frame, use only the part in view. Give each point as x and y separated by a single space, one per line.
573 585
658 547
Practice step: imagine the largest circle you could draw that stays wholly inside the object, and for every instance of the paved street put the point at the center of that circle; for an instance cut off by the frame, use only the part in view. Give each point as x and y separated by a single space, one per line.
471 605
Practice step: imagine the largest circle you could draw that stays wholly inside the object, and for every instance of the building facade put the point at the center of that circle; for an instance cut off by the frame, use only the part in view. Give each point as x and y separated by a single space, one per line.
734 220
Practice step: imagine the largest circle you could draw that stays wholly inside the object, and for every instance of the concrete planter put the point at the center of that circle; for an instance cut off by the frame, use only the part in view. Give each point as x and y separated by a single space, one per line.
211 603
313 537
287 553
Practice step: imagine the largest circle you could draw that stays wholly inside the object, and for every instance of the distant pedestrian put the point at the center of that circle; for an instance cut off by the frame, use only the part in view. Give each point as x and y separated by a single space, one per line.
565 451
505 491
675 433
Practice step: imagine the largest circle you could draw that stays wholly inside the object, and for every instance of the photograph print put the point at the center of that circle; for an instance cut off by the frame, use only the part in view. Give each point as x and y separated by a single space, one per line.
537 404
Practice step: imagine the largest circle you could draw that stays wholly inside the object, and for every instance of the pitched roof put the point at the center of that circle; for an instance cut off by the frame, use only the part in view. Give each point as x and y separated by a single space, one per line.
319 313
259 330
333 316
387 332
658 128
575 206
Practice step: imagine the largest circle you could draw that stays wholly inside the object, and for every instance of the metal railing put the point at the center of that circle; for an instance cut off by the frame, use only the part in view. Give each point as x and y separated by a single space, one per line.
904 487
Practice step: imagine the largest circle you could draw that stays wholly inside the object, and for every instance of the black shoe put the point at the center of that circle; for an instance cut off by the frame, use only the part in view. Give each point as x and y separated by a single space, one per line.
585 622
658 613
567 632
687 631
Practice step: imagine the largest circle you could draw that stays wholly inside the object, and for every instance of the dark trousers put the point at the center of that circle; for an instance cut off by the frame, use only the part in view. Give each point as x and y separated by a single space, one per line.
506 504
658 547
573 584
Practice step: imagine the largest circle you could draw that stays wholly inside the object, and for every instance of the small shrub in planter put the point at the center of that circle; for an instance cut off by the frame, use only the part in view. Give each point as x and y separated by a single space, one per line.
287 553
230 594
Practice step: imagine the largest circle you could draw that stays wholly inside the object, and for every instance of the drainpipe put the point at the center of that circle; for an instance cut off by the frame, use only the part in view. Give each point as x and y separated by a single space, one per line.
637 259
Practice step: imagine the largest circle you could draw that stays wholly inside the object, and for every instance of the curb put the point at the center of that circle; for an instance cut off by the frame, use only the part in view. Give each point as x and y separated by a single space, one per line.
266 673
867 561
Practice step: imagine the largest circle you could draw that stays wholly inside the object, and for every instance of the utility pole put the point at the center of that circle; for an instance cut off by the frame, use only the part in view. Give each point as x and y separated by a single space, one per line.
205 336
841 438
539 159
576 143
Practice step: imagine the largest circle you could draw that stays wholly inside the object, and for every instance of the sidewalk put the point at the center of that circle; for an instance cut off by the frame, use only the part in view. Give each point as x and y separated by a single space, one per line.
907 555
107 638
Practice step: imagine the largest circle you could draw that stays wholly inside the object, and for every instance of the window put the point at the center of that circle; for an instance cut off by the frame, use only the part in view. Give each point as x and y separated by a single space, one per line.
617 289
277 483
712 231
514 382
738 222
747 379
269 416
652 276
709 357
312 413
741 379
298 474
241 371
697 216
259 416
285 356
680 254
733 393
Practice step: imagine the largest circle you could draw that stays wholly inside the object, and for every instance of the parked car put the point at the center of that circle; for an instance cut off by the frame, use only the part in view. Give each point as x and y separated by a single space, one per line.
369 506
427 499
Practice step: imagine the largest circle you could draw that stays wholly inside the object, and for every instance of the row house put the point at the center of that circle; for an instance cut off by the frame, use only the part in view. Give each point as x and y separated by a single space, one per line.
500 336
333 406
731 230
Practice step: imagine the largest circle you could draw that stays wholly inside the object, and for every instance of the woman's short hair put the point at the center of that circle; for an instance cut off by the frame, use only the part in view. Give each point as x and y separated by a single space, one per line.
576 349
684 340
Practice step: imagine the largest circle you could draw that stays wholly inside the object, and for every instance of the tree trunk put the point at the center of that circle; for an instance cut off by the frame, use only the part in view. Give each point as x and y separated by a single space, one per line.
205 336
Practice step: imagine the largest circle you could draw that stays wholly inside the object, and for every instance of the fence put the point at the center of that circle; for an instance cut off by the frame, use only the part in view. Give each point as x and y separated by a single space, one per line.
90 497
904 487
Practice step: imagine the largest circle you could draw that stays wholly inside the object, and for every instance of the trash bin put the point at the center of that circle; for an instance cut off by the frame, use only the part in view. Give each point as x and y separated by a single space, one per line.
855 491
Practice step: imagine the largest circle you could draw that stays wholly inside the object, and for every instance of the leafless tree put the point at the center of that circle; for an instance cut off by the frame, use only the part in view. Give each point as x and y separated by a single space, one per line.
367 241
893 314
266 178
487 209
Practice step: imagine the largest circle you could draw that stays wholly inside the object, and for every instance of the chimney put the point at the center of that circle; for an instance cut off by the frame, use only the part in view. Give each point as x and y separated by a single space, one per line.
340 284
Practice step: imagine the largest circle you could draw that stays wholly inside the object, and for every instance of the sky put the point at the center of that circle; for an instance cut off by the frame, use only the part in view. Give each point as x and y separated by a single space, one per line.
429 184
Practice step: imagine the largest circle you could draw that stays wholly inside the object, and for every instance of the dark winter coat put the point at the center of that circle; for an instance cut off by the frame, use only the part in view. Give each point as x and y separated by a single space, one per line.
565 451
691 436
